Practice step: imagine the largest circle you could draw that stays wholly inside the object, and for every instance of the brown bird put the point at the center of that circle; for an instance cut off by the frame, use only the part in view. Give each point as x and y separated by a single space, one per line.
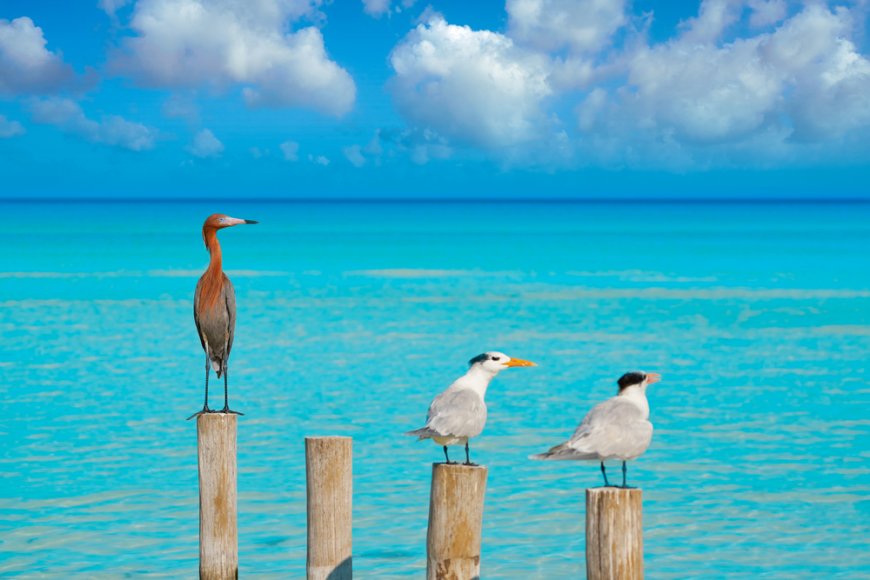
214 307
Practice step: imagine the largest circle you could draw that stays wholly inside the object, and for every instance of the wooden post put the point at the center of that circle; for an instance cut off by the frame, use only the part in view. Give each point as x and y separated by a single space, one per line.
614 534
455 522
218 520
329 475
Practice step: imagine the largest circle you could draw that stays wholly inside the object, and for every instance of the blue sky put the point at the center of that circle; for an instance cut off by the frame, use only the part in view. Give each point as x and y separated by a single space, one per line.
397 98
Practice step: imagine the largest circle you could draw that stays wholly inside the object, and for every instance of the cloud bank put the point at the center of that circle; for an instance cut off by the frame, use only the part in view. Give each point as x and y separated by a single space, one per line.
475 86
26 65
110 130
235 43
580 82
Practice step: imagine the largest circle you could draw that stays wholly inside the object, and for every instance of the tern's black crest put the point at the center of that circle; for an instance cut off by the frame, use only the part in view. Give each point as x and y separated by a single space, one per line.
478 358
632 378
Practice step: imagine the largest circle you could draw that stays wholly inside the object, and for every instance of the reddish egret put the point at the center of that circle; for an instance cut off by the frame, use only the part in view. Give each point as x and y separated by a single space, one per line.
214 307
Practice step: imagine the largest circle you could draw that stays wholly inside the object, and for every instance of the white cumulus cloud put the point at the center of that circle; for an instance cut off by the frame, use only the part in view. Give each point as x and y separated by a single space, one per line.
826 80
26 65
378 8
714 17
205 145
758 82
475 86
804 80
290 150
353 153
227 43
110 130
581 25
10 128
767 12
111 7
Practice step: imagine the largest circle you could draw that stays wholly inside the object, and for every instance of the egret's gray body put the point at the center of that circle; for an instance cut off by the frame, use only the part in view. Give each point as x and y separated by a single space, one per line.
216 325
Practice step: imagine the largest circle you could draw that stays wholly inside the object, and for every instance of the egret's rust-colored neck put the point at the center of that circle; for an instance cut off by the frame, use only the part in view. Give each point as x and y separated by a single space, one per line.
213 279
209 235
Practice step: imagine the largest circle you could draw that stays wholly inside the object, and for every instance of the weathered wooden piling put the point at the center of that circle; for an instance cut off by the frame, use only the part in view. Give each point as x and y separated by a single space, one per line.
614 534
218 519
329 475
455 522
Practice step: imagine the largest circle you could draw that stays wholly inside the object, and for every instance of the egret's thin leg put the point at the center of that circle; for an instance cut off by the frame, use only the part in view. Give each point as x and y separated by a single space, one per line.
604 473
226 402
226 408
205 408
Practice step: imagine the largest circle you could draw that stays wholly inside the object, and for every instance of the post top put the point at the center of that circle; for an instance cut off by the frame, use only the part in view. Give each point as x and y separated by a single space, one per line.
458 466
316 437
214 416
613 490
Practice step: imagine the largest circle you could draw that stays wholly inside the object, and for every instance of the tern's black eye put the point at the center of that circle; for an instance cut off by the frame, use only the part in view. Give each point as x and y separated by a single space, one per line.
495 358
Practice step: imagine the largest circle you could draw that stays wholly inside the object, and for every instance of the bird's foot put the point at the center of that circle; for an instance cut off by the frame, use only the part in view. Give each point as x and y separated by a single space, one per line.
470 464
198 413
229 411
448 462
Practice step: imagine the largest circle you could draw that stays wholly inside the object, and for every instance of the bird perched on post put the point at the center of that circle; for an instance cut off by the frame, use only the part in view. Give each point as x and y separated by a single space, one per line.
619 428
214 307
459 413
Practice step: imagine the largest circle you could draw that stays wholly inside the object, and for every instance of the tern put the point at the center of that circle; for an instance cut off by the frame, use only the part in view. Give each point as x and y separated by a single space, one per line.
459 413
619 428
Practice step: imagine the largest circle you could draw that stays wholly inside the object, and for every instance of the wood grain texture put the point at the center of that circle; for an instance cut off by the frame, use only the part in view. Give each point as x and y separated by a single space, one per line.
218 519
614 534
455 522
329 476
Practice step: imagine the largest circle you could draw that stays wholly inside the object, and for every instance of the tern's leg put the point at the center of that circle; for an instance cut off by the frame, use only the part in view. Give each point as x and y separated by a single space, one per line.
467 458
226 408
447 457
205 408
604 473
623 475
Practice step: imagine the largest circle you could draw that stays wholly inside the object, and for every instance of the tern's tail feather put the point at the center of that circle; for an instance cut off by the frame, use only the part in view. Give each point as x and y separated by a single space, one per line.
423 433
563 451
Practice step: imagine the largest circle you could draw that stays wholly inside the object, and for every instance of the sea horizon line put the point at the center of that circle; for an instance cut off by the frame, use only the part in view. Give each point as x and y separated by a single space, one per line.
449 200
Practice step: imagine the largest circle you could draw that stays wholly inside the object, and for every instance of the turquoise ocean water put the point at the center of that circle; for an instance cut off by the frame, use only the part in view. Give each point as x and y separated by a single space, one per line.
352 316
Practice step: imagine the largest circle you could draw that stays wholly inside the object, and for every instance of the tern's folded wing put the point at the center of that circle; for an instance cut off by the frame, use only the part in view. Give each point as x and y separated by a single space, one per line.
614 428
461 413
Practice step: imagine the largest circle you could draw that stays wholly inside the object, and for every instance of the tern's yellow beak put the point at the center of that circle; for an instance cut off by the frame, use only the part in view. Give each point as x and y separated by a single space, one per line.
518 362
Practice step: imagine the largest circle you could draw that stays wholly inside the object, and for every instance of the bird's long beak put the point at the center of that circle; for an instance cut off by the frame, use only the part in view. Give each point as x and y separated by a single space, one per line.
518 362
653 378
231 221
